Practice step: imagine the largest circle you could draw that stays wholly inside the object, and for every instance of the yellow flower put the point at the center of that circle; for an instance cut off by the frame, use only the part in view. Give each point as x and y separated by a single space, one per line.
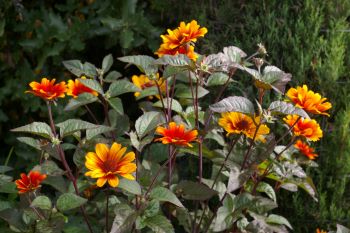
144 82
109 163
76 88
307 128
183 34
237 123
308 100
176 135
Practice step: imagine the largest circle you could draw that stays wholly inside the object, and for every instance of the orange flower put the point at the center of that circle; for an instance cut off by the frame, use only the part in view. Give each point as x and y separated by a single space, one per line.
47 89
176 135
305 149
144 82
308 128
183 34
29 183
186 49
109 163
76 88
236 123
320 231
309 100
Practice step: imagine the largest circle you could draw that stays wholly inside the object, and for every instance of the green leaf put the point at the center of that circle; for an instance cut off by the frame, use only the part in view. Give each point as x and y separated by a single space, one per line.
92 84
112 23
177 60
30 142
175 105
53 225
342 229
112 76
159 224
75 67
50 168
4 169
144 63
90 70
277 219
107 63
183 91
217 79
234 104
266 188
191 190
164 194
130 185
122 86
147 122
236 178
5 205
82 99
117 105
124 219
126 38
150 91
68 201
8 187
37 128
234 54
71 126
173 70
42 202
281 107
97 130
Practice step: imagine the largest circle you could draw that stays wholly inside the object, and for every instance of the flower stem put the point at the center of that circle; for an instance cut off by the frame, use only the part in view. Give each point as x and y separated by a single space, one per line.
61 154
158 172
107 213
91 114
216 178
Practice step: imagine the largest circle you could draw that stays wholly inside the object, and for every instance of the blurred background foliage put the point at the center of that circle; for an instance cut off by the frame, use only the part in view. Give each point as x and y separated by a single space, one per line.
308 38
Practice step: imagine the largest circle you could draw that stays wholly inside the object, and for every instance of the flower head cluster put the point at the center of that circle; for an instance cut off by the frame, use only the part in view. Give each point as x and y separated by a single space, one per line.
237 123
177 135
307 128
143 82
47 89
305 149
308 100
30 182
106 164
76 88
181 39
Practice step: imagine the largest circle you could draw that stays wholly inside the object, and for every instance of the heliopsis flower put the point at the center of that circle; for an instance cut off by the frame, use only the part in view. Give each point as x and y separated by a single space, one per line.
320 231
106 164
76 88
237 123
183 34
47 89
185 49
305 149
144 82
177 135
307 128
308 100
31 182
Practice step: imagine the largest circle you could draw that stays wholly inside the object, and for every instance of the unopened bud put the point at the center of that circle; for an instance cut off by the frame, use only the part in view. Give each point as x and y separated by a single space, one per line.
258 62
55 141
262 49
